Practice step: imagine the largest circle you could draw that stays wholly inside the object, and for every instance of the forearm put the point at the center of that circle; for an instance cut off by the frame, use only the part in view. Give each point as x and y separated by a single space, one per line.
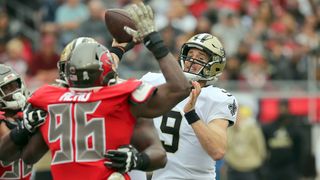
173 75
212 138
145 138
9 151
168 64
35 149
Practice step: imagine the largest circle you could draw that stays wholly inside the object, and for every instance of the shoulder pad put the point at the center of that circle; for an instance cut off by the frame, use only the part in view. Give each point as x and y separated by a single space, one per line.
142 93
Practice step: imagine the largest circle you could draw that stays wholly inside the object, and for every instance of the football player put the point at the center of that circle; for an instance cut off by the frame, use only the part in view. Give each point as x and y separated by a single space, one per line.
98 112
144 138
33 117
13 96
194 132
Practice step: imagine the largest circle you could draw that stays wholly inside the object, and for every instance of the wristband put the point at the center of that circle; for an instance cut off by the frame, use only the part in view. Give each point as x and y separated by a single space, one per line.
191 116
144 161
155 44
119 51
20 137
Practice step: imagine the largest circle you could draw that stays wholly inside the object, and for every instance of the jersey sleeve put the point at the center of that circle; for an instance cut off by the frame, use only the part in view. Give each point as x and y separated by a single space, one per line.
35 96
153 78
222 105
142 93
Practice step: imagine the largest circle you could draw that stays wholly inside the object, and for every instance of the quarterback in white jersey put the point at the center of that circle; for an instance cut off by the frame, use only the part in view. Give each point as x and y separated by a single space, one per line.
194 131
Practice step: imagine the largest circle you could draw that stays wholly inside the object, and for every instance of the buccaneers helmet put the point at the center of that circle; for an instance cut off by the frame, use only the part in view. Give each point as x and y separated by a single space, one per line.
90 65
13 94
66 52
212 46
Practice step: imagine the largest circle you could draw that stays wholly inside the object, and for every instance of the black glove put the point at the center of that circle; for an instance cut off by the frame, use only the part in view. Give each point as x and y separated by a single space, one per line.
126 158
33 118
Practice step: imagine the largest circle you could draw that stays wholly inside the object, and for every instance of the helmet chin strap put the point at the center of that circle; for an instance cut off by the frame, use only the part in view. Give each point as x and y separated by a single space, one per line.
19 100
194 77
191 77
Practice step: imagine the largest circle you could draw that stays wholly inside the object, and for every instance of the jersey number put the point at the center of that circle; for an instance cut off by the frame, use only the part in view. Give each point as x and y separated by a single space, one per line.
171 129
61 127
14 170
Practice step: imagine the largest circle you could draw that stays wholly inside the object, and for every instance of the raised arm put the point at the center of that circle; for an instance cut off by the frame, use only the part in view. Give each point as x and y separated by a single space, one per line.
177 86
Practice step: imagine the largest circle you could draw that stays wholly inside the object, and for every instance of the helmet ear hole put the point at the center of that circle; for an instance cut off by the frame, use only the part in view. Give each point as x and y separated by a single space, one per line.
97 57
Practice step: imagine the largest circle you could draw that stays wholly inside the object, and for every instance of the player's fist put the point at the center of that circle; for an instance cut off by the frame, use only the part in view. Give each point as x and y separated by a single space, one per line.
33 118
124 159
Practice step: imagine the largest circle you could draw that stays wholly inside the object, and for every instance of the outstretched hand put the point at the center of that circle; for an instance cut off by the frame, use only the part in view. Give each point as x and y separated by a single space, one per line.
126 46
193 97
143 17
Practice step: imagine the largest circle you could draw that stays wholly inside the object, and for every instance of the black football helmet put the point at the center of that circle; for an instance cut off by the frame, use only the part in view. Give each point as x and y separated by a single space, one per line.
217 58
13 93
66 53
90 65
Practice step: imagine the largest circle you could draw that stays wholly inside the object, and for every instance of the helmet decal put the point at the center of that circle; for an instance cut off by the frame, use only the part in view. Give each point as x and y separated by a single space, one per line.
105 63
202 37
85 75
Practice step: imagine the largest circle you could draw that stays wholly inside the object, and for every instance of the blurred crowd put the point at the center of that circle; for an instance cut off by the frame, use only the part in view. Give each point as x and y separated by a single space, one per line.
264 40
277 150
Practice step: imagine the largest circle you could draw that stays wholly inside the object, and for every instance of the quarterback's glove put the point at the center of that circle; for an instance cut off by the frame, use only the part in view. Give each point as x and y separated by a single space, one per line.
33 118
142 15
126 158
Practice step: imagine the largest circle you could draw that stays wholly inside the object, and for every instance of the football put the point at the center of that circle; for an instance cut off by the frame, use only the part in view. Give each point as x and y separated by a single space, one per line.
115 20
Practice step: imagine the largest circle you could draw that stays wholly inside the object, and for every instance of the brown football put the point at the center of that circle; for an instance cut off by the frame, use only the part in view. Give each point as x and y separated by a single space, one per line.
115 20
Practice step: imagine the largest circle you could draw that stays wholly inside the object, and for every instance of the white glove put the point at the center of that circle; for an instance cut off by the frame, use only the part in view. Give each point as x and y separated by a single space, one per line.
142 15
33 118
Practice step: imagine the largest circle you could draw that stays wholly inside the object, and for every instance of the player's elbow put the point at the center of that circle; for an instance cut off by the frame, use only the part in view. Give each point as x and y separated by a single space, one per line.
218 154
163 159
158 160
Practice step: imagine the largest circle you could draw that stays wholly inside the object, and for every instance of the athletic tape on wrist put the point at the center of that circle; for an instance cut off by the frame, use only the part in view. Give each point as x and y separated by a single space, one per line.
119 51
155 44
20 137
144 161
191 116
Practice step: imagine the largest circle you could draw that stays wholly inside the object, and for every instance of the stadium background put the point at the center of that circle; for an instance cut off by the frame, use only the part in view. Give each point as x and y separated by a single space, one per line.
272 49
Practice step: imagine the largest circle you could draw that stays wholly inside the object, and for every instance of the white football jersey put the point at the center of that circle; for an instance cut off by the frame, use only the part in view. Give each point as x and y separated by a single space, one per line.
186 157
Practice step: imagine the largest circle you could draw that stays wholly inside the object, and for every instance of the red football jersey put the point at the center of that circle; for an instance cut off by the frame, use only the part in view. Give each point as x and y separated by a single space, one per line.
15 170
82 125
